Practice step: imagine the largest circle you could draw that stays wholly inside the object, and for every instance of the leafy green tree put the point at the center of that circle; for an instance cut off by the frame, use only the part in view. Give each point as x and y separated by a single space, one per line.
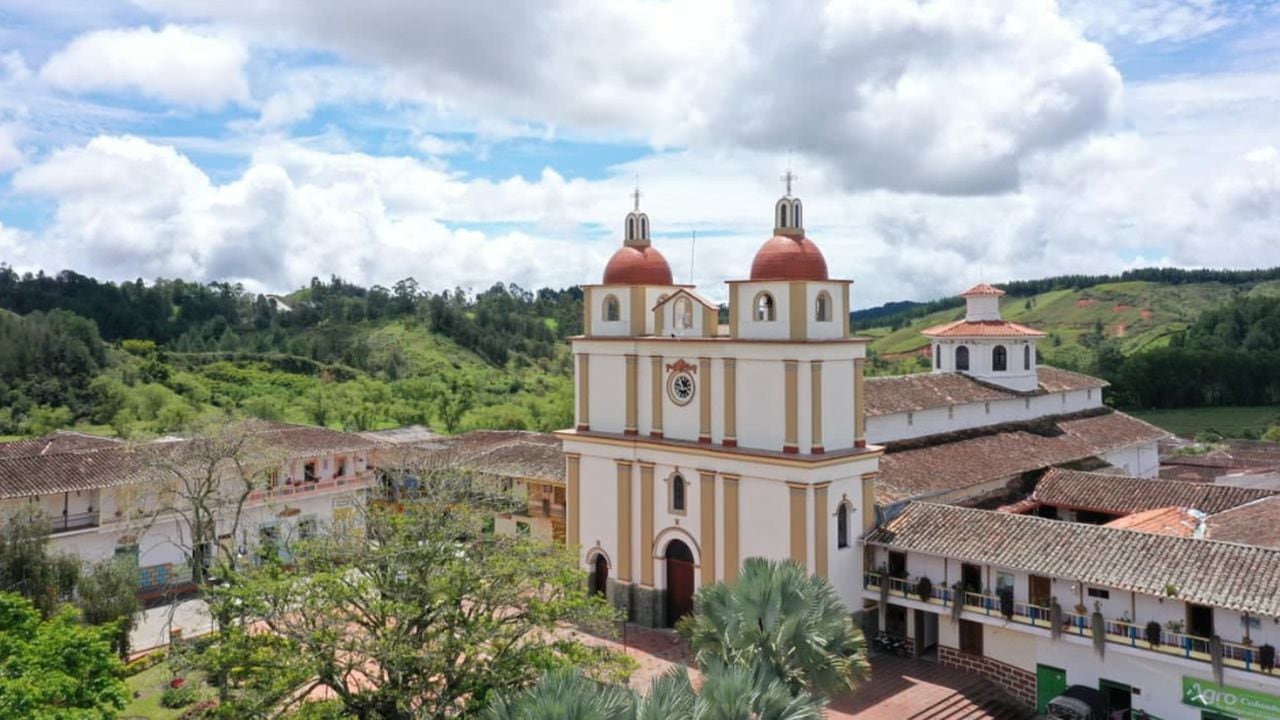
107 594
779 618
418 615
58 669
27 568
45 418
1272 434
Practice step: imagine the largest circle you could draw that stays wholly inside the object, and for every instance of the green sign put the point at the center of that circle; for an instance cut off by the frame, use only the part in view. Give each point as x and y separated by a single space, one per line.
1243 704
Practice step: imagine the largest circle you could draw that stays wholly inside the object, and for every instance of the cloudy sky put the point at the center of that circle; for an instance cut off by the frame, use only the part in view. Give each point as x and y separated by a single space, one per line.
463 143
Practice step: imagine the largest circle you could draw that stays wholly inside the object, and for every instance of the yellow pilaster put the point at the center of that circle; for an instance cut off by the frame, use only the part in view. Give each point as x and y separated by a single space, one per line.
656 398
815 406
820 539
859 406
798 316
646 523
632 391
799 523
707 490
624 520
731 561
584 383
791 387
730 402
704 400
573 513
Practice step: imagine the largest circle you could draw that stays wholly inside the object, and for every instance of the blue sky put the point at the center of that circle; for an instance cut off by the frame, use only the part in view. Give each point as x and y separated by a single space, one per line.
938 144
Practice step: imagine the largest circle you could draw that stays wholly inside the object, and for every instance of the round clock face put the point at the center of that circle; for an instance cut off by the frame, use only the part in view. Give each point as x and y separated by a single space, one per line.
680 387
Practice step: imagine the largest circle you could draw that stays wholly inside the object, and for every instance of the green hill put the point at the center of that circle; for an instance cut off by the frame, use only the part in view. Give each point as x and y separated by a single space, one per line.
1139 315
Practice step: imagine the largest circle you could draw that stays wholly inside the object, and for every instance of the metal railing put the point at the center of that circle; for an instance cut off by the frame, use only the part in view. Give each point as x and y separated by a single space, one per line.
1120 632
72 521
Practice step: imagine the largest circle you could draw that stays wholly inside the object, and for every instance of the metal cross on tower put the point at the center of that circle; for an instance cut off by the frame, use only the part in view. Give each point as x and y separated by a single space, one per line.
635 194
787 177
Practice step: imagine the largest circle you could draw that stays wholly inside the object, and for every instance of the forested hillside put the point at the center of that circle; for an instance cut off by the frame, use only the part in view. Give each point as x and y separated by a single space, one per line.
332 353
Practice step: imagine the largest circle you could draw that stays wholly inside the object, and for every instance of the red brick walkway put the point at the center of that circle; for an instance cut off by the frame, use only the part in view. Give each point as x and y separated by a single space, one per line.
905 689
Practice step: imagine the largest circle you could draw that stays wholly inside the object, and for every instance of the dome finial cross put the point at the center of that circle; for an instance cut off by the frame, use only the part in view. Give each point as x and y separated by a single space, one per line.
635 194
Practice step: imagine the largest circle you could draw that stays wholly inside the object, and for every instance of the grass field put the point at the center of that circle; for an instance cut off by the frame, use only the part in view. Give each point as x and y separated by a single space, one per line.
149 685
1230 421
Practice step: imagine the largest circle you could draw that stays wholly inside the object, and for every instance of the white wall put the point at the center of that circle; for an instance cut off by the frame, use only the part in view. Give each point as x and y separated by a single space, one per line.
1141 460
761 403
748 326
932 421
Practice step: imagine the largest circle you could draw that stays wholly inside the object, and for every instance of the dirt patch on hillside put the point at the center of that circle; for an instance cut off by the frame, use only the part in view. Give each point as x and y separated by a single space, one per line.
1121 330
1146 313
1121 307
1086 302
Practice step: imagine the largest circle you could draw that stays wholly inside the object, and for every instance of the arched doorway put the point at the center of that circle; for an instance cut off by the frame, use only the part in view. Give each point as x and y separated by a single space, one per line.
600 575
679 581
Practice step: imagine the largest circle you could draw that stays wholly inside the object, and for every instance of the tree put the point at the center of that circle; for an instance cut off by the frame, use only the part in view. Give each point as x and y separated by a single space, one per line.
777 617
418 614
107 593
59 669
26 566
725 694
205 482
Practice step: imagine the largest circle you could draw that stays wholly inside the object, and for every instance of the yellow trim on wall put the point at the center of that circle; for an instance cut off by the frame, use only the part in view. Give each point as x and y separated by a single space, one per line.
820 539
731 561
707 529
807 462
646 523
656 398
587 301
573 513
704 400
791 388
815 405
710 321
638 310
624 520
798 306
660 319
868 501
632 410
848 329
734 309
799 525
584 383
730 401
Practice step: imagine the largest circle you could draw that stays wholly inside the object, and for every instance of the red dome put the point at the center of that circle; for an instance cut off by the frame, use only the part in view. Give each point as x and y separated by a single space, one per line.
637 266
789 258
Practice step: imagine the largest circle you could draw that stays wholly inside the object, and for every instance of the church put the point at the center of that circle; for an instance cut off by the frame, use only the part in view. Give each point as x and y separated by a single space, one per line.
698 443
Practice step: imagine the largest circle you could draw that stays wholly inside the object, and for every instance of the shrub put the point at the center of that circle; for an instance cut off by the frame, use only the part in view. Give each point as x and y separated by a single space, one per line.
201 710
143 662
177 697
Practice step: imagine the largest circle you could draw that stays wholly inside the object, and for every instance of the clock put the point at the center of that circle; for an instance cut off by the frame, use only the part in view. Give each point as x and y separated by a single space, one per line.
681 388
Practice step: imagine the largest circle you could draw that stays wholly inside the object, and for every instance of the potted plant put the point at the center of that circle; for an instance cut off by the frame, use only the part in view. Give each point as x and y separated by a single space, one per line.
1267 658
1175 627
924 588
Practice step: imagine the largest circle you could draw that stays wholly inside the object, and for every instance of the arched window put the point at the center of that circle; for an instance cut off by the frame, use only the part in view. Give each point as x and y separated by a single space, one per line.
684 313
1026 357
999 359
822 307
962 358
612 310
644 226
764 307
842 526
677 493
937 357
796 212
631 227
782 215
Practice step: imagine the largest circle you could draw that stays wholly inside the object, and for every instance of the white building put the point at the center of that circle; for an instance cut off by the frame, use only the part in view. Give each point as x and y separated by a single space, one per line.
102 496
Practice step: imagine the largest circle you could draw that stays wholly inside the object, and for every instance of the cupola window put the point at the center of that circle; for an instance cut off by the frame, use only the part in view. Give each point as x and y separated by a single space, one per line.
962 358
1026 357
764 307
612 309
822 309
999 359
937 357
842 526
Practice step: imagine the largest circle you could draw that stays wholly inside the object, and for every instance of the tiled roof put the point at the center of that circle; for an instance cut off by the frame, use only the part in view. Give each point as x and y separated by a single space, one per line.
63 441
945 467
981 328
1182 522
921 391
110 463
1257 523
1207 572
685 291
505 453
982 289
1124 495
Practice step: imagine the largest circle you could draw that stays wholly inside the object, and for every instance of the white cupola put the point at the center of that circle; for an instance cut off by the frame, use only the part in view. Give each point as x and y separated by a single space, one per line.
985 346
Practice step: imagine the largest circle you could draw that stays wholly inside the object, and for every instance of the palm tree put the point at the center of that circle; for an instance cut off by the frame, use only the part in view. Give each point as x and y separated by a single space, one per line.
779 619
727 693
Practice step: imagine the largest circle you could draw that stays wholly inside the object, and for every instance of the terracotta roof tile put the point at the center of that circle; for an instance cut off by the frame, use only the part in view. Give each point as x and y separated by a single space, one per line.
921 391
1257 523
507 453
1208 572
982 289
981 328
946 467
1180 522
63 441
1123 495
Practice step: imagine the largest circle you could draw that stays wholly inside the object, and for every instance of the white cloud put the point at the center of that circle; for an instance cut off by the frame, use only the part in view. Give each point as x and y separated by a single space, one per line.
11 155
1152 21
180 65
917 96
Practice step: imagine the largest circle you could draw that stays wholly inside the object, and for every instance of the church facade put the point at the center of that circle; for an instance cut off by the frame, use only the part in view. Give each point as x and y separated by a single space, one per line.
698 444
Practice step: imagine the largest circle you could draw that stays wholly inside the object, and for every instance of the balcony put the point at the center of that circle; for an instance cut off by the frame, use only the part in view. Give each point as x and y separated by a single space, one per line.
309 487
1191 647
69 522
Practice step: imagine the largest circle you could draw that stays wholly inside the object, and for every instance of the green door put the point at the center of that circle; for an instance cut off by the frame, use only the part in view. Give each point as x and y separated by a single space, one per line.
1050 682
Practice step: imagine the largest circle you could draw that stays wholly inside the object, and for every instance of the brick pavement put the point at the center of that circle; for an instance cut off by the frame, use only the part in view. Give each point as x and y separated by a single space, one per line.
910 689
